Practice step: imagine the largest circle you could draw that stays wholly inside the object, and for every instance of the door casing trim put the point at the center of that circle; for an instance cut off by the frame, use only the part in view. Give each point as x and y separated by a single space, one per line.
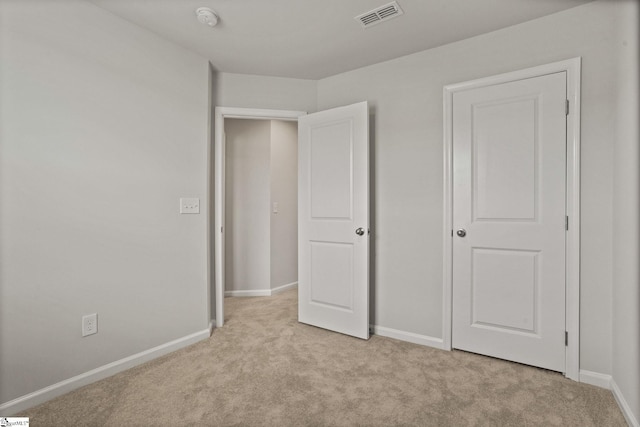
572 249
222 113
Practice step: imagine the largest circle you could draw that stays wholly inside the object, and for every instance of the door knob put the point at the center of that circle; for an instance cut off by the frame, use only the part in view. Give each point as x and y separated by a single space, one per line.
461 232
360 231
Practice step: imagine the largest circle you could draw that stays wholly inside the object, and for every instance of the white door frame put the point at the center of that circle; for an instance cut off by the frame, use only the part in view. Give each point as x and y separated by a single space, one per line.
572 309
222 113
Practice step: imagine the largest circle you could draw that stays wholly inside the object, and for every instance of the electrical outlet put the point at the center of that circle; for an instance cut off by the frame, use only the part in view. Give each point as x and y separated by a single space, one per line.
89 324
189 205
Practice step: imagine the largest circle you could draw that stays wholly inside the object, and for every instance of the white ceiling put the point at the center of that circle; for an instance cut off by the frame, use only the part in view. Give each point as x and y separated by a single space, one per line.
312 39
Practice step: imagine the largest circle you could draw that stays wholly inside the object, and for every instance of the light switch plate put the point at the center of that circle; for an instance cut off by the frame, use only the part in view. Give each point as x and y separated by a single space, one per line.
189 205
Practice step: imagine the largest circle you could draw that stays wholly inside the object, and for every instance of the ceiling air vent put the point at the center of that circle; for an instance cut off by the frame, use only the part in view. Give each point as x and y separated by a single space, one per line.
379 14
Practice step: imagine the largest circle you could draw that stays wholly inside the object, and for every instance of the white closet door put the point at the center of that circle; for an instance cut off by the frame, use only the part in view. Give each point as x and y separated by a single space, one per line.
509 160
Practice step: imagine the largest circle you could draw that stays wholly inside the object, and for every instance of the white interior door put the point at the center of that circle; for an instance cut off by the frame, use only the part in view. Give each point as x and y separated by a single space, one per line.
333 220
509 183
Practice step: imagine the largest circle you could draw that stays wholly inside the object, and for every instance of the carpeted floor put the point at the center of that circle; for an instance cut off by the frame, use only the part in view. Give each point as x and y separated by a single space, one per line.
263 368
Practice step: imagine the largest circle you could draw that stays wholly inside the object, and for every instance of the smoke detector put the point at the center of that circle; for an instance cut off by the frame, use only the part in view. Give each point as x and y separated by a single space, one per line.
379 14
206 16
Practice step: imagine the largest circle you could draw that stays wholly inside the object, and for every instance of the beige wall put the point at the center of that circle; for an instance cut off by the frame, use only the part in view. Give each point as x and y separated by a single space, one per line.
406 106
626 210
284 192
278 93
247 201
103 127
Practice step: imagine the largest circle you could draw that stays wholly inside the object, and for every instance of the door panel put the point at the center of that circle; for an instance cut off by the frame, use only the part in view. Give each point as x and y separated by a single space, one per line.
505 189
330 153
332 275
333 185
509 161
506 279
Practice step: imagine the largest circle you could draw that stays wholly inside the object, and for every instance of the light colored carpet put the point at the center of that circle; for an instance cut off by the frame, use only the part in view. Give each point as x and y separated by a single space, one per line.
263 368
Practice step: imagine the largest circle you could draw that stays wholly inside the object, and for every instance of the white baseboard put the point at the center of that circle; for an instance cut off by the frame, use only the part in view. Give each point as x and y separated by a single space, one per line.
40 396
256 293
624 406
595 378
409 337
261 292
606 381
283 288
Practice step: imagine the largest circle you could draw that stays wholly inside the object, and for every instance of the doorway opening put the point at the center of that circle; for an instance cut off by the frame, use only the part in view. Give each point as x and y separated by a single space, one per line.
333 203
261 231
221 202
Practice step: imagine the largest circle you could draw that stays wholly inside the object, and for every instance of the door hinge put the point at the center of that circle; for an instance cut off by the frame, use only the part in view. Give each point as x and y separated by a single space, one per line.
566 222
222 229
566 338
566 109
